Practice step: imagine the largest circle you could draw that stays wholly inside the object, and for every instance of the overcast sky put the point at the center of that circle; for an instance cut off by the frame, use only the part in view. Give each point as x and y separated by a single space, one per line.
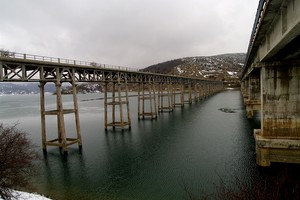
131 33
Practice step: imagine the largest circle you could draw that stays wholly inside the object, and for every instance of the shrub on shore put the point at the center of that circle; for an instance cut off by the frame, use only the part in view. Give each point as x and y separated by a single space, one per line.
17 155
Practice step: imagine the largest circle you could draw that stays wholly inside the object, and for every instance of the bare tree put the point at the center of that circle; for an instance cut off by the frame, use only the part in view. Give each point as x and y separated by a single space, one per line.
17 154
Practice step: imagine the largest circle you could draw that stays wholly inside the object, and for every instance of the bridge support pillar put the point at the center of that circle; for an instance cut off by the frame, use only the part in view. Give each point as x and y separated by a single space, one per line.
202 91
245 89
178 92
196 93
117 103
209 90
278 140
190 95
253 101
62 140
165 100
147 97
205 90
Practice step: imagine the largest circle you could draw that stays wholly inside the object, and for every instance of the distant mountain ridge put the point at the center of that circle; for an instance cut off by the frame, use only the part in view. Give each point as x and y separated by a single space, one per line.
23 88
33 88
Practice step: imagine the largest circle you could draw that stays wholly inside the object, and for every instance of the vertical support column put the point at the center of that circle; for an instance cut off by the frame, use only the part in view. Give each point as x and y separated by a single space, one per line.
170 97
209 89
105 105
182 94
196 94
117 101
139 100
62 138
43 117
165 105
61 141
245 89
1 71
76 112
154 96
120 106
127 105
253 101
147 96
143 98
178 93
279 137
199 92
190 96
160 98
204 90
113 103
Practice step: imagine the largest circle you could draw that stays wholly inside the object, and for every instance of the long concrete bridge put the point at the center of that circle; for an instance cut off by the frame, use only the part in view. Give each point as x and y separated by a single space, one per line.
271 81
156 92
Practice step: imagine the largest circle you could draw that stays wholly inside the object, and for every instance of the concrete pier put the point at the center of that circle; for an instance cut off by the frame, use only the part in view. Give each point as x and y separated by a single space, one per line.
279 137
253 101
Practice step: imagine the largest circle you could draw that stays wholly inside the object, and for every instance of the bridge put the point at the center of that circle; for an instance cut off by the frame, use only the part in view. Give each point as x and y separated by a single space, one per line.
271 81
156 92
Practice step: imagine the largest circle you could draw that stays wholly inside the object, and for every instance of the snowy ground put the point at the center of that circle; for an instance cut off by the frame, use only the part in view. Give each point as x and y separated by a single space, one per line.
27 196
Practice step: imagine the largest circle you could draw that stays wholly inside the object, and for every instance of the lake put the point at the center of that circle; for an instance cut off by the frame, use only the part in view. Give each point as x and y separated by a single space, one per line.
192 147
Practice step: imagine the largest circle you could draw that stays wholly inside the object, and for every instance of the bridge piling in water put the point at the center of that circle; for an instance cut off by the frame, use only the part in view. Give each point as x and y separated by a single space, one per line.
178 95
117 101
62 140
165 100
147 96
278 138
189 93
252 103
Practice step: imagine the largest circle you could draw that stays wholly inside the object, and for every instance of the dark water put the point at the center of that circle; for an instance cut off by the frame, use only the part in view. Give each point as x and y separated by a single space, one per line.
193 146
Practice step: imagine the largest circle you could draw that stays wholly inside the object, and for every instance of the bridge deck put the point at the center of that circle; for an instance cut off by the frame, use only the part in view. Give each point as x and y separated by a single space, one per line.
18 67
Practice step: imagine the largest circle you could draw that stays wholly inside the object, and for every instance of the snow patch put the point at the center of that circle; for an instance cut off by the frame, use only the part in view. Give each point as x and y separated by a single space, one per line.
27 196
231 73
179 70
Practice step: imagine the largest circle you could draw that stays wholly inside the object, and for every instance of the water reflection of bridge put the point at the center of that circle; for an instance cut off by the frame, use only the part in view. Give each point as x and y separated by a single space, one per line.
156 92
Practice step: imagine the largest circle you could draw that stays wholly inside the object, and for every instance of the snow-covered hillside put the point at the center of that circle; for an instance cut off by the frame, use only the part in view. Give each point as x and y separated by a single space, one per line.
226 67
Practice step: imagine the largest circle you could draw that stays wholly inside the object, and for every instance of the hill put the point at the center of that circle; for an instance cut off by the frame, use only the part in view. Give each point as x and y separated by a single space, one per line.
226 67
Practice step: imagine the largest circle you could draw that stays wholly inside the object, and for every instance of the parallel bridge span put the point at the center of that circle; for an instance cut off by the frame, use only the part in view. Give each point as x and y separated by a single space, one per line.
156 92
271 81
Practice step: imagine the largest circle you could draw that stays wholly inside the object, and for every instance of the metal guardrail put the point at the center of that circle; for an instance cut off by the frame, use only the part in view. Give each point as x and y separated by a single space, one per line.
31 57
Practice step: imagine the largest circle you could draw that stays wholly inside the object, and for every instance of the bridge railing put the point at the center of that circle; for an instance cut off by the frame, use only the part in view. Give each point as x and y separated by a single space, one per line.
262 6
31 57
24 56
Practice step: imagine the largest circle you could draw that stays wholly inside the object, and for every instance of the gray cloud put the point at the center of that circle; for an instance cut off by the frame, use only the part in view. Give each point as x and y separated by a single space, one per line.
134 33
